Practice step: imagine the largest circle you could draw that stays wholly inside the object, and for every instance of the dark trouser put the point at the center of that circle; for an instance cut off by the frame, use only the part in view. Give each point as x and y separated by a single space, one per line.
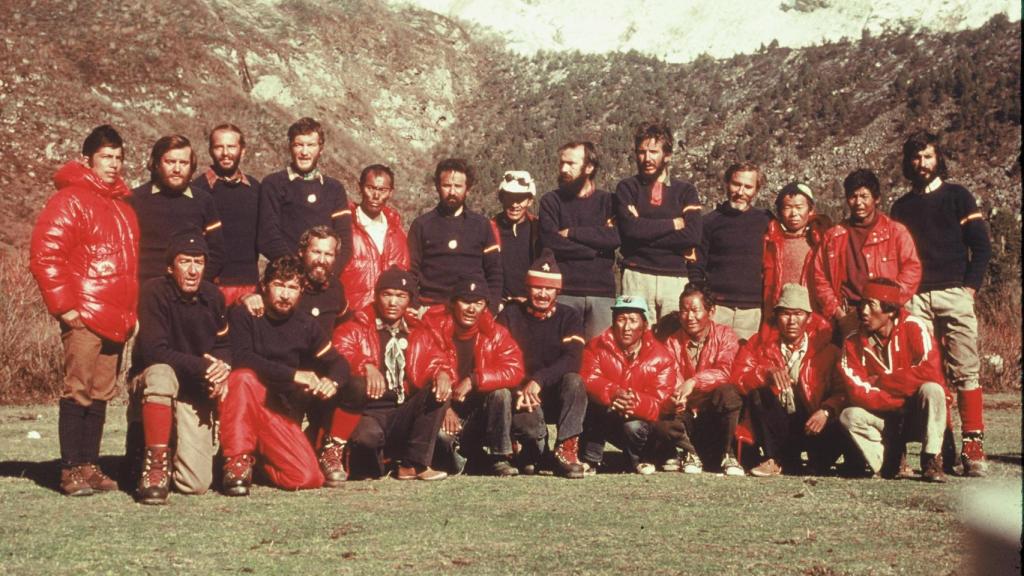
603 424
486 423
566 399
406 432
80 430
710 429
782 437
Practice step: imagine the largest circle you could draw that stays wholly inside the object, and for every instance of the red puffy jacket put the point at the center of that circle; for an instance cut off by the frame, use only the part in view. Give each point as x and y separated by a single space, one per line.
713 365
367 263
498 362
771 263
356 339
652 376
820 381
914 358
85 252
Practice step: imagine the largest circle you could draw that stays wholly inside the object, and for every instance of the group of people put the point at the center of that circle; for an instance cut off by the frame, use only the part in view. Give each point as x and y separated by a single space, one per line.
736 340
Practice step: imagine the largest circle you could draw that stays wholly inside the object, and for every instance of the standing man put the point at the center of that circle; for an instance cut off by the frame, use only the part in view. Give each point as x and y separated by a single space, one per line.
167 207
659 222
953 243
518 231
301 197
185 353
378 240
84 256
237 197
551 338
865 246
452 241
730 257
577 223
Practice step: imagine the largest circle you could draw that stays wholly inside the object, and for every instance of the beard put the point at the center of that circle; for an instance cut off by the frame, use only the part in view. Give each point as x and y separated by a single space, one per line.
573 185
226 172
165 185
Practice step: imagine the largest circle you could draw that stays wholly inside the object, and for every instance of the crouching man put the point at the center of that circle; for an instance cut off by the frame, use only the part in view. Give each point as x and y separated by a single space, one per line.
794 391
629 377
280 358
551 338
893 376
400 421
463 355
184 350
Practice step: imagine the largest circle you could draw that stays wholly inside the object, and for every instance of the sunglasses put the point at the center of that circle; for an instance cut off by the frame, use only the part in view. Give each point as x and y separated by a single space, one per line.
521 180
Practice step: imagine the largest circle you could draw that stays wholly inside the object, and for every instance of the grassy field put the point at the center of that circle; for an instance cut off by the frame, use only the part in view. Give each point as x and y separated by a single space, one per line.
612 523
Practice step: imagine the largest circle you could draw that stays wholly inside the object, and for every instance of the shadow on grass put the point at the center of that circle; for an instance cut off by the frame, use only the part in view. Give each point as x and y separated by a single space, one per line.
1010 458
46 474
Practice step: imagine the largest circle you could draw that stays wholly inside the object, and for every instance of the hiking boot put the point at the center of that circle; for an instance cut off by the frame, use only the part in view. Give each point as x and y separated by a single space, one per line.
425 473
972 455
72 483
238 475
97 479
501 467
155 478
931 468
731 467
692 463
645 468
904 471
766 469
567 461
332 462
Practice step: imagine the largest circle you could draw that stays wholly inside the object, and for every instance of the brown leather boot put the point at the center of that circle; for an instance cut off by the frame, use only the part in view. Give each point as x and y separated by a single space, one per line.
238 475
332 462
567 461
931 468
72 483
97 479
155 479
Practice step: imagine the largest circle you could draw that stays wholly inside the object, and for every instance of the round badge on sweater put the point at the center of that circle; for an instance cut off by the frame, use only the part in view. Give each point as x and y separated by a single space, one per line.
315 311
311 198
453 244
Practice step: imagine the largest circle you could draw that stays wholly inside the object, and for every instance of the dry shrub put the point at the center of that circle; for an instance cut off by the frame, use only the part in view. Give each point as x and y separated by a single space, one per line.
999 340
31 360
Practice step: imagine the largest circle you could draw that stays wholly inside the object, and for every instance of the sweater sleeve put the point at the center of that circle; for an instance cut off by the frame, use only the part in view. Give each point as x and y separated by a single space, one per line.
155 340
493 270
631 224
213 232
564 248
329 363
977 239
274 375
601 237
689 238
571 351
341 221
415 242
271 238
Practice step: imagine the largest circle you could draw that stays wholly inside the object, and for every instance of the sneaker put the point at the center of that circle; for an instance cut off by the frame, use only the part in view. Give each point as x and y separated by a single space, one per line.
155 478
97 479
72 483
425 473
972 455
765 469
692 463
567 462
672 464
590 468
503 468
332 462
931 468
730 467
645 469
238 475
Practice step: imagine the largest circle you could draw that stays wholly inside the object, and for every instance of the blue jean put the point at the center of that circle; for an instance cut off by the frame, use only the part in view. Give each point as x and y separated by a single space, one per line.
603 424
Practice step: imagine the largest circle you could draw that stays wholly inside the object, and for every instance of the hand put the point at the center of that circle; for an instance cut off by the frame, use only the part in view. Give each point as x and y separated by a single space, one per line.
624 402
442 387
73 319
376 384
632 210
217 376
325 388
970 291
254 304
564 232
780 377
839 314
463 389
307 379
678 223
816 423
452 424
529 396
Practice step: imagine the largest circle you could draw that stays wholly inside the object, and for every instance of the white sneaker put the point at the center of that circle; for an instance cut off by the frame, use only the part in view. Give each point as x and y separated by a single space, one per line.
645 468
730 467
692 464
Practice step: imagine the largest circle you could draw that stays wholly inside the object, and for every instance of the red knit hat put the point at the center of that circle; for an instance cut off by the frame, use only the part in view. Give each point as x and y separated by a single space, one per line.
882 292
544 272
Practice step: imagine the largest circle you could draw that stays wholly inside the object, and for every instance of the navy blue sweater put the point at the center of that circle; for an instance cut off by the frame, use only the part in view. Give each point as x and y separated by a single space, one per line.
518 251
238 206
587 257
729 258
290 207
551 347
650 242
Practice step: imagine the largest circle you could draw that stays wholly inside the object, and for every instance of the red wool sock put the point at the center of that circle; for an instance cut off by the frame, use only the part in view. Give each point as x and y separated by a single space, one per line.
156 423
971 405
343 423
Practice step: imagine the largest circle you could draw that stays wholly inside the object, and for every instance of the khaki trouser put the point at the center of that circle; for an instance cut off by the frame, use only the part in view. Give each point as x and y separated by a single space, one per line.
743 321
952 312
193 424
926 422
660 292
90 365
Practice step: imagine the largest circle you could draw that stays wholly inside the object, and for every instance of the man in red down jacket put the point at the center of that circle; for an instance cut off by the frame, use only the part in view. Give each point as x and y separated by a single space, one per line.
378 240
629 377
464 355
84 256
788 372
897 392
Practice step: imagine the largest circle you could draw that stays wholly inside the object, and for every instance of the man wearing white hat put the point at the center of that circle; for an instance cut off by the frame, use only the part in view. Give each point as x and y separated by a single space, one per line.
518 231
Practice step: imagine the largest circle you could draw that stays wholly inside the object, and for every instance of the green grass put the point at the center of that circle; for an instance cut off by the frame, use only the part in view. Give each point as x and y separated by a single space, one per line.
612 523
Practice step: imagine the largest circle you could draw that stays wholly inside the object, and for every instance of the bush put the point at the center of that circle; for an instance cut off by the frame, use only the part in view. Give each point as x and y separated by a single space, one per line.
31 360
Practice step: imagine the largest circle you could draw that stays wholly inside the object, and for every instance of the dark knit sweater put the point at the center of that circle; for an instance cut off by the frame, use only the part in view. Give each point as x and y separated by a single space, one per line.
587 257
177 330
951 236
323 304
163 215
518 251
730 254
551 347
650 243
238 206
290 207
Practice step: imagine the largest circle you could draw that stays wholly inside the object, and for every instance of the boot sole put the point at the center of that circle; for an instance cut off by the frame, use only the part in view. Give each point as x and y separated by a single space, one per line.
237 491
153 501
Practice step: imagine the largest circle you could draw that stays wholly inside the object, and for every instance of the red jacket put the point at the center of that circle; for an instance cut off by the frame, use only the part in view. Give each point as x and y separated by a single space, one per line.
771 263
820 381
889 252
367 263
652 376
915 359
85 252
498 362
713 365
356 339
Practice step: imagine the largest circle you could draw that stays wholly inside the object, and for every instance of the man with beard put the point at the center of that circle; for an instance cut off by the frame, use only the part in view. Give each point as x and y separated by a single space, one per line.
577 223
953 243
865 246
184 352
378 240
659 221
301 197
551 339
279 357
452 241
461 354
518 231
236 195
167 207
729 258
